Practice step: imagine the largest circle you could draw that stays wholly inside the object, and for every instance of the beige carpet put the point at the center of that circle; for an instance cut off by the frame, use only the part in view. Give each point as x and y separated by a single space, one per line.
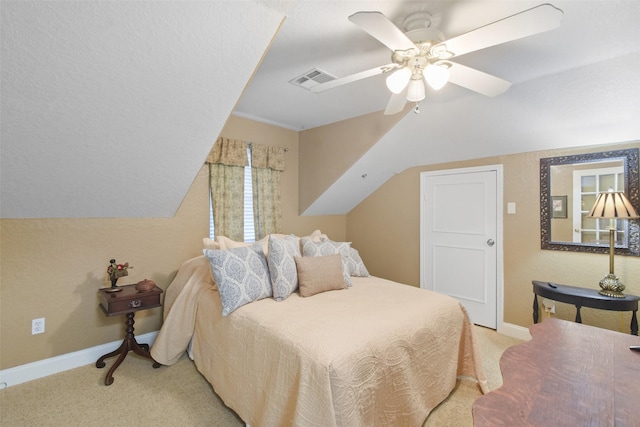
180 396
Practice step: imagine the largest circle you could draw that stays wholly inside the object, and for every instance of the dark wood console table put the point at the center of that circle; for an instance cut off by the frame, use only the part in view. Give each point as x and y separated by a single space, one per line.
127 300
583 297
568 375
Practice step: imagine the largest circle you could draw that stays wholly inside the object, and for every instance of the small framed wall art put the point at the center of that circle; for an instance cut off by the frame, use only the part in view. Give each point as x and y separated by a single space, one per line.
558 206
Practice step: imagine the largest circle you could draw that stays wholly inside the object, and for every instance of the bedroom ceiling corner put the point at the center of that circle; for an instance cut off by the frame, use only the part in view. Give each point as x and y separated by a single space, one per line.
110 108
568 87
105 101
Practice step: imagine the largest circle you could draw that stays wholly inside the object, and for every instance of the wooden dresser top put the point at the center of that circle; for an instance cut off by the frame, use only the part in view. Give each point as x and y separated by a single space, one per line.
569 374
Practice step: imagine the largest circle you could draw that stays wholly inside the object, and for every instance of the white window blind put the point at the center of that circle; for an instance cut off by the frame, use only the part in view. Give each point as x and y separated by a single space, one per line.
249 229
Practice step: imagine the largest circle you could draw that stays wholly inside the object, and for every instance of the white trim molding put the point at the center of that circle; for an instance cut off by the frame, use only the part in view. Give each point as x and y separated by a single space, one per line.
53 365
514 331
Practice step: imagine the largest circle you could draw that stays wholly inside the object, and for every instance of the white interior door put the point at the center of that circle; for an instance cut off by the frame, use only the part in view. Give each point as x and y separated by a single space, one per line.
459 239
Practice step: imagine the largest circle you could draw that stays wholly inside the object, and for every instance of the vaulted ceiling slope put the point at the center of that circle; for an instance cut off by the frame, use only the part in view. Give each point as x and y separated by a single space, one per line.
110 108
564 110
575 85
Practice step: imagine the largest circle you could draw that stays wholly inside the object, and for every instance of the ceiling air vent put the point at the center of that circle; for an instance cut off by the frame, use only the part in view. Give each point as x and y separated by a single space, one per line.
312 78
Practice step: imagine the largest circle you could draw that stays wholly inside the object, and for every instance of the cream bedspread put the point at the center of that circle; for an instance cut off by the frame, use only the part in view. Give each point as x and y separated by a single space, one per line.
376 354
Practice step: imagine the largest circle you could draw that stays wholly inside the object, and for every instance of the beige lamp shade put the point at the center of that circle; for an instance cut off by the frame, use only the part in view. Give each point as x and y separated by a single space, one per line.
613 204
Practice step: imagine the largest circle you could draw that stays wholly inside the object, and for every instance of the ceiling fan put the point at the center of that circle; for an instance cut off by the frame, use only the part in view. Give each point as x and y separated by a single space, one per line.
422 54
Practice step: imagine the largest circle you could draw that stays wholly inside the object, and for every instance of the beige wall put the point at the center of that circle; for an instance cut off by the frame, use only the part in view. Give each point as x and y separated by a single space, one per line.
385 228
327 152
52 268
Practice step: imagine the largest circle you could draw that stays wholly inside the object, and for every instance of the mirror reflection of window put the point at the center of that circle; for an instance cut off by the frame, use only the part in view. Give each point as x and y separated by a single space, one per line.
557 184
587 184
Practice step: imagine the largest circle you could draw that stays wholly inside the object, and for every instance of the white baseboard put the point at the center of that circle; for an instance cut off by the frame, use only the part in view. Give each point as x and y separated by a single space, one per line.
42 368
514 331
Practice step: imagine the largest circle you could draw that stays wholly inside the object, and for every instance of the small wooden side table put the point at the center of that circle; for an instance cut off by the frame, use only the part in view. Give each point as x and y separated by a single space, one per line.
583 297
127 301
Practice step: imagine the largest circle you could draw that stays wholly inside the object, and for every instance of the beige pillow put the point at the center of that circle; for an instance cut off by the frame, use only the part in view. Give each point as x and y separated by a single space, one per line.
319 274
329 247
210 244
227 243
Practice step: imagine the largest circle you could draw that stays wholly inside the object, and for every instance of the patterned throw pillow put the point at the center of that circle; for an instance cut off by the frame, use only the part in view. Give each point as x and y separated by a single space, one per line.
282 267
242 275
356 265
329 247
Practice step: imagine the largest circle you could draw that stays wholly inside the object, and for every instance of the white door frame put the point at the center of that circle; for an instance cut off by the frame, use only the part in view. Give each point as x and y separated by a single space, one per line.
499 231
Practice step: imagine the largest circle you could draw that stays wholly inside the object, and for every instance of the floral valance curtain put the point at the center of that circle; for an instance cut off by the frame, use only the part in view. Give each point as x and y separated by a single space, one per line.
230 152
267 163
266 156
227 160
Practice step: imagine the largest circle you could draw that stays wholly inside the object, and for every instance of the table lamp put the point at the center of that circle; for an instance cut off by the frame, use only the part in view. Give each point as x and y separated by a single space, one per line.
612 205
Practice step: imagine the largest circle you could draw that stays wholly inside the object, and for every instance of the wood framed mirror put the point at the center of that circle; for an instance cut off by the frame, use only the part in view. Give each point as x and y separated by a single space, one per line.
568 188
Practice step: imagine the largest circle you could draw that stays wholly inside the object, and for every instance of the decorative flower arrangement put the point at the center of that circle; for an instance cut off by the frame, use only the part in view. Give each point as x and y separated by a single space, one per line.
116 271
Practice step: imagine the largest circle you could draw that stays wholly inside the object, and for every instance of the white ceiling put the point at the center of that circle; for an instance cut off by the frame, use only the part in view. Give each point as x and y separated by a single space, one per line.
576 85
109 108
318 34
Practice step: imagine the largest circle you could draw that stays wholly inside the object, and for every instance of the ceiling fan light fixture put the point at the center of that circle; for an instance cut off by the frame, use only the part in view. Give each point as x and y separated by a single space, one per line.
440 51
415 92
417 20
398 80
437 75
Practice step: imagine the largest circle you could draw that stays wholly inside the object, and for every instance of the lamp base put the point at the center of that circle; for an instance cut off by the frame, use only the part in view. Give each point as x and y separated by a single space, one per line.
611 286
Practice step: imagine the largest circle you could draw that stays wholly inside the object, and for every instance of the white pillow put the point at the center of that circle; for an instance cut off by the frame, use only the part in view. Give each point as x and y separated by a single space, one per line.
329 247
282 267
241 274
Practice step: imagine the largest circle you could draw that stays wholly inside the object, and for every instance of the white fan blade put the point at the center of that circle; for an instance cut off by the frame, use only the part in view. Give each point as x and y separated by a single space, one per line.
527 23
379 27
353 77
396 102
477 81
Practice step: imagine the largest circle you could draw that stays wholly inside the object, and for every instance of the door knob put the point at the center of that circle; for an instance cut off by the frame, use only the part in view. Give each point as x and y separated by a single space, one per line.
490 242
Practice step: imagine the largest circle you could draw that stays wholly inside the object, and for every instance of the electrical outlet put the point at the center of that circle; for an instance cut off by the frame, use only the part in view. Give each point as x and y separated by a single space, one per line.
37 326
549 305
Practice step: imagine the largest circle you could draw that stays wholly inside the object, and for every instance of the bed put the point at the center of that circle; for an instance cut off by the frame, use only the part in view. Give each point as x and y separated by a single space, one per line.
377 353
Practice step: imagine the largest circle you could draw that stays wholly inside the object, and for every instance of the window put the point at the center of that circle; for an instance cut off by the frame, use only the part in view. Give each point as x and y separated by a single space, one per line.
232 163
249 230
